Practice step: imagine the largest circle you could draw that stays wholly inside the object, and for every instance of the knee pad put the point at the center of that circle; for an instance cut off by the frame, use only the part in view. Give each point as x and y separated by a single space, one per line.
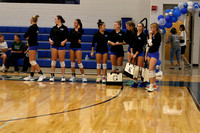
80 65
114 68
53 63
104 66
62 64
33 63
152 74
98 66
120 68
72 64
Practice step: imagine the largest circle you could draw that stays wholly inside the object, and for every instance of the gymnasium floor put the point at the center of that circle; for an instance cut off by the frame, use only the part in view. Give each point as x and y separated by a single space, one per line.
44 107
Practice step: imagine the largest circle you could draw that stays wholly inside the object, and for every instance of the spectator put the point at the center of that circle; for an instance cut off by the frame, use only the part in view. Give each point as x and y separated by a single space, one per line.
3 50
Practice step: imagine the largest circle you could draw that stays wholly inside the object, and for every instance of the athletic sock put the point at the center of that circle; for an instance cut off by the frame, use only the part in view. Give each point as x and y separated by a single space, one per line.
40 72
32 74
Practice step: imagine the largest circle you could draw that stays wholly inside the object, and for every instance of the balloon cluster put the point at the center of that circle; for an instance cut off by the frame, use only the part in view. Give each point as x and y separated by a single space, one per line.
177 14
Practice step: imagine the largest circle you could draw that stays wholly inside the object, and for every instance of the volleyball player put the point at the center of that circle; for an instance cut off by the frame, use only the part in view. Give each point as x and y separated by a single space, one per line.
58 39
75 49
32 37
116 41
153 54
101 38
137 50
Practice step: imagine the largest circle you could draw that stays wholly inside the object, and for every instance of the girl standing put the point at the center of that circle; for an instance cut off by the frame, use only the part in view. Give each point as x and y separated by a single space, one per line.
58 39
116 41
137 50
153 54
101 38
32 37
75 49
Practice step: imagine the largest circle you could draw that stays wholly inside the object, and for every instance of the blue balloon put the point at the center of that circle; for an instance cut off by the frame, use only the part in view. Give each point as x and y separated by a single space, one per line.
184 11
176 8
163 31
196 5
168 18
174 19
168 25
161 27
185 5
172 10
167 11
160 16
177 13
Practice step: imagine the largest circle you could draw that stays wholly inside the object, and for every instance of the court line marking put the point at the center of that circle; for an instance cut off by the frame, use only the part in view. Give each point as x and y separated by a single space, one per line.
194 98
8 122
62 112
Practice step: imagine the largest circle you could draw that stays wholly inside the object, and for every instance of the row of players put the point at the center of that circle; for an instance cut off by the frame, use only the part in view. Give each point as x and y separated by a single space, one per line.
134 37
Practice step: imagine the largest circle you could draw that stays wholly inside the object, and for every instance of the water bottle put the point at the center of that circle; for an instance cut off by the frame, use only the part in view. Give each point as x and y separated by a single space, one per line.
87 58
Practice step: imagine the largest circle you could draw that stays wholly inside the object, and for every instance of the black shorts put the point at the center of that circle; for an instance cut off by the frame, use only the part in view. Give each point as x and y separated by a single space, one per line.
117 54
183 49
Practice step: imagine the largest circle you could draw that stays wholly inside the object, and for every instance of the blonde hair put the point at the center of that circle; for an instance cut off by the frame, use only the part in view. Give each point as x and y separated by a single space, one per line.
119 22
35 18
155 25
131 23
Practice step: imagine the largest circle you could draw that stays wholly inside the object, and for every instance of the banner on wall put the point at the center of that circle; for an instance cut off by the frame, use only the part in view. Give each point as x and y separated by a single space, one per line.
44 1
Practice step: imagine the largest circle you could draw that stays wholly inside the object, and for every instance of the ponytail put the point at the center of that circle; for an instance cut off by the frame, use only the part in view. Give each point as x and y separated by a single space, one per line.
35 18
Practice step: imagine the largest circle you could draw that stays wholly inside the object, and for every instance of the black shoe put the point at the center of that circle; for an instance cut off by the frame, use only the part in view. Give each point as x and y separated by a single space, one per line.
179 68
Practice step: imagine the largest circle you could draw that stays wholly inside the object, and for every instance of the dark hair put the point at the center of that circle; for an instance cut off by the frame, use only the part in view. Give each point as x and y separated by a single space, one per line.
119 22
18 36
142 26
60 18
81 25
100 23
131 23
35 18
173 31
182 27
1 35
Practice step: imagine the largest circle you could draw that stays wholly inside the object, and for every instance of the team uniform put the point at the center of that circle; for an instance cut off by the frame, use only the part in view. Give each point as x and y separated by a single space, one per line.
128 39
153 50
117 37
101 40
32 33
74 37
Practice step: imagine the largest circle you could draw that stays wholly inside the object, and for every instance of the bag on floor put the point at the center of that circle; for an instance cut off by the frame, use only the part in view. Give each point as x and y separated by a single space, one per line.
136 71
114 79
128 71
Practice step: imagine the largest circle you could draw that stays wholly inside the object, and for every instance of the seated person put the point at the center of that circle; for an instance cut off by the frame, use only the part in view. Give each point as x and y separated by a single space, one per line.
26 58
3 50
17 52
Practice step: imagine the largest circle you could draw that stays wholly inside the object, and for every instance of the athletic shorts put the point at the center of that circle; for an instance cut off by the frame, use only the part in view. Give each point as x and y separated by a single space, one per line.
129 49
75 49
183 49
101 53
154 55
59 48
33 48
141 54
118 54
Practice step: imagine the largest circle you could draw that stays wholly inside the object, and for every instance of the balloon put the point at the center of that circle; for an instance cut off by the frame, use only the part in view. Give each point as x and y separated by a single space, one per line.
190 8
168 18
166 14
185 5
171 13
196 5
176 8
180 5
174 19
162 31
160 16
172 10
190 3
162 22
168 25
184 10
161 27
182 17
177 13
167 11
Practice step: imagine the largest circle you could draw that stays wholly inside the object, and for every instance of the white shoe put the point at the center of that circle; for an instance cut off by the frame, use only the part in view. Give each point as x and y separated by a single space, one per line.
152 88
63 79
72 79
84 79
51 79
2 68
29 78
41 78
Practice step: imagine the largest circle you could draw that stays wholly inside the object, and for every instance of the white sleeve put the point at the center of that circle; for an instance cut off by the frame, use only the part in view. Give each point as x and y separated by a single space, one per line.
5 45
182 34
150 42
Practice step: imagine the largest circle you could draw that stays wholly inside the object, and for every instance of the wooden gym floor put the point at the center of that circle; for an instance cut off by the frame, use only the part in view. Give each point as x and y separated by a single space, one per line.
44 107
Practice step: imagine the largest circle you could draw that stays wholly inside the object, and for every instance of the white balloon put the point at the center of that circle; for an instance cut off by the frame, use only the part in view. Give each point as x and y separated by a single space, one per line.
180 5
162 22
190 8
166 14
171 13
190 3
182 17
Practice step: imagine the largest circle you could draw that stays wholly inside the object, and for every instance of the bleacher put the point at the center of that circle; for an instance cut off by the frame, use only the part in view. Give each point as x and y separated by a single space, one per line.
44 51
